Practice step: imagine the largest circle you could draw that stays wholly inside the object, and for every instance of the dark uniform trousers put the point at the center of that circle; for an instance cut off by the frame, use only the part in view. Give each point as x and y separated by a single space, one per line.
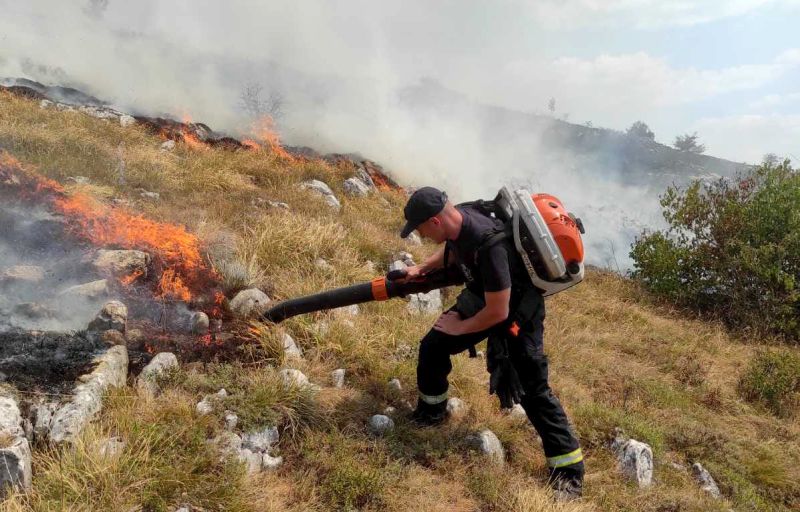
544 410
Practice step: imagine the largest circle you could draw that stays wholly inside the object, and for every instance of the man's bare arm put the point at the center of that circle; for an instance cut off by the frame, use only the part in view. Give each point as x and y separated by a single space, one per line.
495 311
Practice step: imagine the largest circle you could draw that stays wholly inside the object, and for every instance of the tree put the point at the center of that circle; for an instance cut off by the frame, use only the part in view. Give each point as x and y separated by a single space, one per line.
551 105
689 143
640 129
252 102
731 250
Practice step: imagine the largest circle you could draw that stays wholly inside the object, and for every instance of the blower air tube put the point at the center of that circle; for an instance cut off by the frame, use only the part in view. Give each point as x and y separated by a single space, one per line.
381 288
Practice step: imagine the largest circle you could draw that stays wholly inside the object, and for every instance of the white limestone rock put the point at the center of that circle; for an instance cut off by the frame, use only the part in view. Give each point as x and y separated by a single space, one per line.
322 189
147 382
706 481
337 377
111 370
488 444
456 407
261 440
15 455
355 187
121 263
92 290
168 145
635 459
380 424
249 303
126 120
394 385
293 378
290 348
425 303
113 316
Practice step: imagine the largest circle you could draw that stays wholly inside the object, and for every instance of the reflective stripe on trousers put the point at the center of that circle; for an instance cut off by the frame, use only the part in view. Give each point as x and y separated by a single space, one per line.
559 461
433 399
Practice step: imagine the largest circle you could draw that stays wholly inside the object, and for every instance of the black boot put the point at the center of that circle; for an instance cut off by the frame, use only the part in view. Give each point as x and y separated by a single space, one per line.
428 415
567 482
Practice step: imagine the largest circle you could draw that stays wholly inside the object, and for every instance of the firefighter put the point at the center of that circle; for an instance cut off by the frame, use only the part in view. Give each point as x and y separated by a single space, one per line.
500 303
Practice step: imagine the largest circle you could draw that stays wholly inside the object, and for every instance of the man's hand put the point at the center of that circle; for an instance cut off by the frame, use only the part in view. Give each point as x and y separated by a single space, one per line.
412 273
449 323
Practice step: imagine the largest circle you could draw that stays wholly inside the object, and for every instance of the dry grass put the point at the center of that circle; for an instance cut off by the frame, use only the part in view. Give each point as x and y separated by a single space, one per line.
617 359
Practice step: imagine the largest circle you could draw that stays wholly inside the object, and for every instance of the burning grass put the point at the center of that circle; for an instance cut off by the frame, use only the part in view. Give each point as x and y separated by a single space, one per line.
617 359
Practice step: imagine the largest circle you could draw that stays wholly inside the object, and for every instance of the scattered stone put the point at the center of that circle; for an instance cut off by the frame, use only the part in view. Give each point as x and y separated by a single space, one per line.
252 461
480 354
228 443
79 180
355 187
92 290
414 239
370 266
147 382
111 370
250 302
206 405
397 265
45 104
121 263
199 323
34 311
347 311
261 441
261 202
113 337
231 420
425 303
293 378
153 196
22 273
168 145
323 190
488 444
405 257
364 176
323 265
15 454
290 348
337 377
42 414
456 407
125 120
517 412
635 459
706 481
269 463
114 315
134 339
111 447
395 386
380 424
389 411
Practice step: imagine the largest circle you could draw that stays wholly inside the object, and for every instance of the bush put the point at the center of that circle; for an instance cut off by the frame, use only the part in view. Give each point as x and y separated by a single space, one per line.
773 380
640 129
732 249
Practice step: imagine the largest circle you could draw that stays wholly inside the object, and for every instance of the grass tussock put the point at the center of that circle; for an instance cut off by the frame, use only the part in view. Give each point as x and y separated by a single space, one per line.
691 389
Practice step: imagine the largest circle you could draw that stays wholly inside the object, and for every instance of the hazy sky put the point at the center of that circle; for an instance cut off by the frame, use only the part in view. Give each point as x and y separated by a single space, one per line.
727 69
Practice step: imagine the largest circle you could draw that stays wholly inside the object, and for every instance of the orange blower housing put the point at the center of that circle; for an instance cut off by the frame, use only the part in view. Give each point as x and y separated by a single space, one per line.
562 225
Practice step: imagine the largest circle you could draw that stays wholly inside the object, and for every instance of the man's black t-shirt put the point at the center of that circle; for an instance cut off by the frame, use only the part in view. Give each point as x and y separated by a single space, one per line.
499 266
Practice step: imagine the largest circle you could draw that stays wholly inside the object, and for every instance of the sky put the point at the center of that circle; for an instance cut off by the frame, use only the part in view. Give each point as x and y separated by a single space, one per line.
728 70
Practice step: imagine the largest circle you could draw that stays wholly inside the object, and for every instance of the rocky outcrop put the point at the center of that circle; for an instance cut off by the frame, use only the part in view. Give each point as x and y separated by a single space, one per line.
147 382
635 459
249 303
15 454
111 370
323 190
113 316
487 443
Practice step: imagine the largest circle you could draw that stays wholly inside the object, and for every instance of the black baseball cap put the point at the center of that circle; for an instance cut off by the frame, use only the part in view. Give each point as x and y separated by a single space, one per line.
423 204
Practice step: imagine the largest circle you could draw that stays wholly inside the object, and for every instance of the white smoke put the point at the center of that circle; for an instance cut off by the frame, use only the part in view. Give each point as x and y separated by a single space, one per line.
342 79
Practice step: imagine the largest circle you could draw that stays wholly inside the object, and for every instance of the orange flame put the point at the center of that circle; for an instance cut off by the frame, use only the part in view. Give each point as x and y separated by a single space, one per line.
127 280
175 250
263 130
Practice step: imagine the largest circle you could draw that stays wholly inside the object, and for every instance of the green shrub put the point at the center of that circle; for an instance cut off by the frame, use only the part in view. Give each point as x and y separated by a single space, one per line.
773 380
732 250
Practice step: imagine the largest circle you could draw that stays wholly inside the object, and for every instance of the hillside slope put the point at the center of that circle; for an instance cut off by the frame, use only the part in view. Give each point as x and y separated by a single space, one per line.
617 360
